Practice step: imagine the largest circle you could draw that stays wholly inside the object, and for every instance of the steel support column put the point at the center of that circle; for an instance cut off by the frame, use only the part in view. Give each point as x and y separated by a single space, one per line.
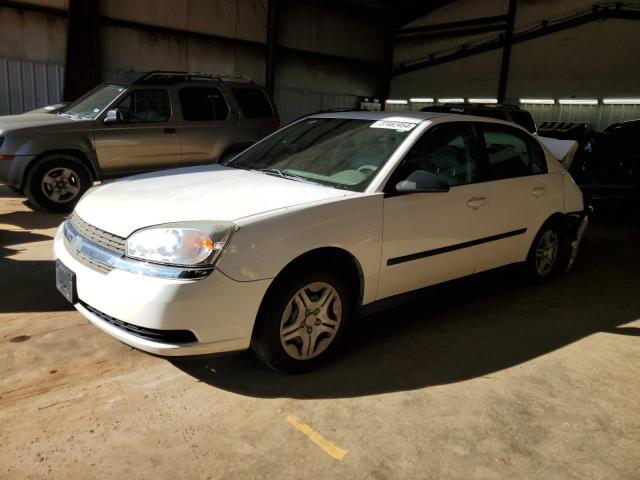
506 51
82 70
272 39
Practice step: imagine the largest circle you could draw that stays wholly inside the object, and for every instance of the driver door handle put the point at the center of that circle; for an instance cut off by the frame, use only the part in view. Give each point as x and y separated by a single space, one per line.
538 191
477 202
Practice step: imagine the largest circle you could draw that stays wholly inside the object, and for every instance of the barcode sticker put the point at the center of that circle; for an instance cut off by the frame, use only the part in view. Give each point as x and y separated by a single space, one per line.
396 123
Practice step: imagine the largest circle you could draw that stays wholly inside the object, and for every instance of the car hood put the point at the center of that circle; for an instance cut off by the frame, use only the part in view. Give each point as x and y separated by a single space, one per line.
211 192
32 120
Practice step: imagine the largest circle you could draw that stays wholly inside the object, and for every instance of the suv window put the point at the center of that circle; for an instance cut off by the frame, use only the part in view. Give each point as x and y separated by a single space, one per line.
512 153
144 106
448 150
253 102
202 104
524 119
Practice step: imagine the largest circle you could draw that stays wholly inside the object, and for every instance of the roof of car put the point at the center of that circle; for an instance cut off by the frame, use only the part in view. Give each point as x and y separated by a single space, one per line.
368 115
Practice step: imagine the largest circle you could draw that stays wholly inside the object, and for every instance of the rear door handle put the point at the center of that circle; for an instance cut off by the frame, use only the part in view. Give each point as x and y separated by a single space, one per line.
169 131
477 202
538 191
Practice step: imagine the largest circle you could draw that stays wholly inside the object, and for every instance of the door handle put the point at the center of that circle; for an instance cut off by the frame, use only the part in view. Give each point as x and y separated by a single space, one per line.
477 202
169 131
538 191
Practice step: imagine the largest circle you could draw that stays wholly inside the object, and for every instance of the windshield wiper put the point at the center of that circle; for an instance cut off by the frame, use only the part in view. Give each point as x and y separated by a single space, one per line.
288 176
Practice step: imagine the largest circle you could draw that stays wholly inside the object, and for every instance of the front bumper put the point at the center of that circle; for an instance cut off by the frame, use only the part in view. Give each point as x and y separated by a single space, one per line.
219 311
12 171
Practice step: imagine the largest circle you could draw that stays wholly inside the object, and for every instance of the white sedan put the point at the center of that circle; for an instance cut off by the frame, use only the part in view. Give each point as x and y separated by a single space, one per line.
280 248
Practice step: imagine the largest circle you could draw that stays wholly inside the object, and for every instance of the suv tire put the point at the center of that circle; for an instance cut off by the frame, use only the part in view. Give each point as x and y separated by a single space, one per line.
56 182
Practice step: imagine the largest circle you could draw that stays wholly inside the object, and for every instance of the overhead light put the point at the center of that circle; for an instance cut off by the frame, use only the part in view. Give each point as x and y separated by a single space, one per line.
421 100
483 100
621 101
578 101
538 101
396 102
451 100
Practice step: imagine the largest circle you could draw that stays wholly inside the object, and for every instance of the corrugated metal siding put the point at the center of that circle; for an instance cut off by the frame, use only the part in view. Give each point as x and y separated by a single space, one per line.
293 103
597 116
28 85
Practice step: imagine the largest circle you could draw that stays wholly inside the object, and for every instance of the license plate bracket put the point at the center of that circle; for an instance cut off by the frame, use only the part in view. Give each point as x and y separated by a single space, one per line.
66 282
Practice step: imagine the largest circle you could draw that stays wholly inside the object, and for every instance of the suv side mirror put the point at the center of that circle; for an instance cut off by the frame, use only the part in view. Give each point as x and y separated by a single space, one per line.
113 116
422 181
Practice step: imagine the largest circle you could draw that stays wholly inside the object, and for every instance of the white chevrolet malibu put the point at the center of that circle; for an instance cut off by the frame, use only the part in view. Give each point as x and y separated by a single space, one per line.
279 249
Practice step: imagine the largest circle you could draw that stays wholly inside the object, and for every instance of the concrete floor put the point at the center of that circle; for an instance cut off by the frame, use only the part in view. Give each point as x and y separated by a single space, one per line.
486 378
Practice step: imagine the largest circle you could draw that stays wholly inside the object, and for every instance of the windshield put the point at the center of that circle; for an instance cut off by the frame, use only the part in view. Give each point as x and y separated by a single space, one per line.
94 102
337 152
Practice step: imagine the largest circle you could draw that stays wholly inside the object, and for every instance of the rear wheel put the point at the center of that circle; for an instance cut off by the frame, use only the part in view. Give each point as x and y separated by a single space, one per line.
303 321
57 182
549 253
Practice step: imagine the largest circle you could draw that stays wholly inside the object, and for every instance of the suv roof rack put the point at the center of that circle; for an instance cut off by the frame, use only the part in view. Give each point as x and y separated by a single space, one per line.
170 78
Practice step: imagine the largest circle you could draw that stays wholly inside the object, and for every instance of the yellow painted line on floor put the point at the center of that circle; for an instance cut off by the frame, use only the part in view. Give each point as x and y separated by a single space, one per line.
331 449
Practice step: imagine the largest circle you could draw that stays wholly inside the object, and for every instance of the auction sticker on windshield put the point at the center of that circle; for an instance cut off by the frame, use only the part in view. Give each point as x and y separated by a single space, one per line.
402 124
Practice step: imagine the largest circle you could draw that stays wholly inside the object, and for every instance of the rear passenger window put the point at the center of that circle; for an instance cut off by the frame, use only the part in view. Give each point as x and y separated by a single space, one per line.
202 104
447 150
512 153
253 102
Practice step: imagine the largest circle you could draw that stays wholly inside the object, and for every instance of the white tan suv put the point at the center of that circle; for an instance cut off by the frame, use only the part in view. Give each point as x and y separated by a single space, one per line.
161 120
278 249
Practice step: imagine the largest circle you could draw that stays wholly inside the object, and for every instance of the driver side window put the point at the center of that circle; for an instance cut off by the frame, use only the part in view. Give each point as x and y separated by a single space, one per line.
146 106
448 150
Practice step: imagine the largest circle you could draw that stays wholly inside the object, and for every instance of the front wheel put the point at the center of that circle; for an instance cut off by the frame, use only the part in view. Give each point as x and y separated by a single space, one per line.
303 322
56 183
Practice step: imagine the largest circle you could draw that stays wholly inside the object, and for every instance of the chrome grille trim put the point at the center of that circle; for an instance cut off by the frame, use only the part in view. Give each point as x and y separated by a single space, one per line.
98 236
104 260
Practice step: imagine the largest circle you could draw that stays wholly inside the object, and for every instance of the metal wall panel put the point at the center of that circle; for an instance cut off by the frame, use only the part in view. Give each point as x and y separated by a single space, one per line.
293 103
28 85
598 117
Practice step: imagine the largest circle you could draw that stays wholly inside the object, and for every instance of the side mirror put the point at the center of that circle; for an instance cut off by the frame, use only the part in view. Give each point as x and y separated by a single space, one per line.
113 116
421 181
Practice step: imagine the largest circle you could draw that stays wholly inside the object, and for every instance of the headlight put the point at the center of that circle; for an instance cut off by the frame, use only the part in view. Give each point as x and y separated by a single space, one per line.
191 244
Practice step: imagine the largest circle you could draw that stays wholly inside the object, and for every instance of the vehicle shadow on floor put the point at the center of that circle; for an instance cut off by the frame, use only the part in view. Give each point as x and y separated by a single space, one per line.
27 285
466 329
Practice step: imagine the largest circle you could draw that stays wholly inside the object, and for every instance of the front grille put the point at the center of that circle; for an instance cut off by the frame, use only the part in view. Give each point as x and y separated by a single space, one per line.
97 236
86 260
162 336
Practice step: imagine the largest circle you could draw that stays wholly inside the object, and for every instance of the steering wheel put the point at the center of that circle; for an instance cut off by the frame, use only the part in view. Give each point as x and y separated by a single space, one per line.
367 169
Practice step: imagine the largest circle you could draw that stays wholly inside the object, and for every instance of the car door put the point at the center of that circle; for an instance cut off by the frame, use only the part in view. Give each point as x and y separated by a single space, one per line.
208 125
521 194
145 137
430 238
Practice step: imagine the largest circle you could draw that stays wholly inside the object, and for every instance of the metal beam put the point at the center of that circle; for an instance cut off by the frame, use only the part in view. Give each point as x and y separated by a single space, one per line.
458 32
506 50
460 24
272 42
82 70
598 13
28 7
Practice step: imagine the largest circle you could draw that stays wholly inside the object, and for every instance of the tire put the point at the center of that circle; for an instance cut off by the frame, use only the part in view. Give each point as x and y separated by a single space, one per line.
549 253
307 341
56 183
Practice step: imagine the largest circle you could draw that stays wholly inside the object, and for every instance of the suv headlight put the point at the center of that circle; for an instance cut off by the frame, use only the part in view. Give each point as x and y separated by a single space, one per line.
192 244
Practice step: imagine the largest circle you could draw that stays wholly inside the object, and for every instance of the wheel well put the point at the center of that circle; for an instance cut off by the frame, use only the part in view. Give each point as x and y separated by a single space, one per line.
73 153
334 258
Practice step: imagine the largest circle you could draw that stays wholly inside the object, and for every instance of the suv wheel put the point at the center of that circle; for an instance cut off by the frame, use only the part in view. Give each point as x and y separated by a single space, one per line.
549 253
57 182
303 322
